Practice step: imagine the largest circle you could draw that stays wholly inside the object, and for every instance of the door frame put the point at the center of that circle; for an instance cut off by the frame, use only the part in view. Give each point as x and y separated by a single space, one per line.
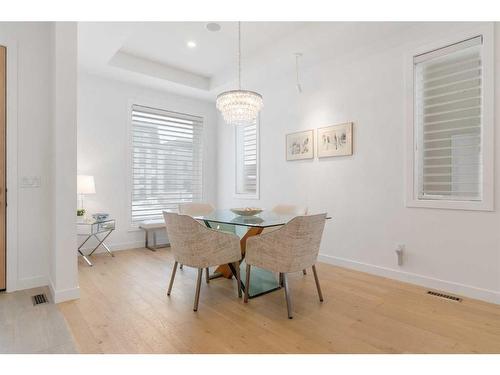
11 161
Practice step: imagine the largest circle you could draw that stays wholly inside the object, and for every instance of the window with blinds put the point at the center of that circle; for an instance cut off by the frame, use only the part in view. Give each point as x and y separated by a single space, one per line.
166 161
247 167
448 104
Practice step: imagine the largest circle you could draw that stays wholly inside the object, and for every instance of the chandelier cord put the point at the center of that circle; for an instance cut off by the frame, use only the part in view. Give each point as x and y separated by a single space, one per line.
239 55
298 55
297 68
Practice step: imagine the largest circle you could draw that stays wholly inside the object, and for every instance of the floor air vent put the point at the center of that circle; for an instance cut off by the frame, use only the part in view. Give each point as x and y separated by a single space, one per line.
39 299
446 296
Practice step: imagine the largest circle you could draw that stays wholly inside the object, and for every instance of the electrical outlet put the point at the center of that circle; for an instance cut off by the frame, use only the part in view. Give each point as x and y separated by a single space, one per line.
400 253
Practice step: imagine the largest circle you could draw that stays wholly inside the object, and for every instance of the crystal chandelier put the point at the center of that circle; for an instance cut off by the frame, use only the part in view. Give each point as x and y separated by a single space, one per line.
239 106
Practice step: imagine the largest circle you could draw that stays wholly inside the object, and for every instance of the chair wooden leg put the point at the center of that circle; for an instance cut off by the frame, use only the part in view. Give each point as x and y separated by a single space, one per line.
247 284
281 280
198 286
172 279
207 275
288 297
304 271
238 277
317 283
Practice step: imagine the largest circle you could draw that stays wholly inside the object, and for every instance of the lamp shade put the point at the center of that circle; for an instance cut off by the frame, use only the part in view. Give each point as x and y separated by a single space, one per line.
85 184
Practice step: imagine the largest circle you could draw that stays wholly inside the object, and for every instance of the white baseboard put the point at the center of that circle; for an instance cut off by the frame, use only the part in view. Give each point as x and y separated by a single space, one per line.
412 278
59 296
31 282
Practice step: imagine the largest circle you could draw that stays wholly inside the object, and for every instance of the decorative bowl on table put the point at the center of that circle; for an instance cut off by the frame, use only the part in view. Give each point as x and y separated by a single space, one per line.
246 211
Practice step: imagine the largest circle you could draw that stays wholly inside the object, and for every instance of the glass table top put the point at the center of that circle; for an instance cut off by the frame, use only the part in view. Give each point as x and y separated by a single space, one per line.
263 220
92 221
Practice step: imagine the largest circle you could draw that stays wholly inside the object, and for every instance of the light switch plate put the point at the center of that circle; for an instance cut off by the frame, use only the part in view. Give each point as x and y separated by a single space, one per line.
30 181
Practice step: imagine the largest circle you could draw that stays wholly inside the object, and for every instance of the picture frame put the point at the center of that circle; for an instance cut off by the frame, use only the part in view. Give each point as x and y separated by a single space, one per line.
335 140
300 145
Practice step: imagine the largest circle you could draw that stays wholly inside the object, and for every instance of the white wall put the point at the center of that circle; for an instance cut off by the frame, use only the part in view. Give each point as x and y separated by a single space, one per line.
456 251
28 261
103 145
63 275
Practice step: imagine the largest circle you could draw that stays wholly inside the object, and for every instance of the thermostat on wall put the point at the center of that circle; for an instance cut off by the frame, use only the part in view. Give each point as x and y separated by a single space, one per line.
30 181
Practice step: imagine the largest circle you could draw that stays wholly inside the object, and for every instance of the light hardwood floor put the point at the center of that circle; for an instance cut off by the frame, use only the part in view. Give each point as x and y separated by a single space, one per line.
124 309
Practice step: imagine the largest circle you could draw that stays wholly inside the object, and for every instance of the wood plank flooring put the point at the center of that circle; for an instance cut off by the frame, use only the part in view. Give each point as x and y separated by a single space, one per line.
124 309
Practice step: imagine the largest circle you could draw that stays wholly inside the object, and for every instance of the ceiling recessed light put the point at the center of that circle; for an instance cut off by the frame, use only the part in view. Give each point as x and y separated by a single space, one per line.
191 44
213 26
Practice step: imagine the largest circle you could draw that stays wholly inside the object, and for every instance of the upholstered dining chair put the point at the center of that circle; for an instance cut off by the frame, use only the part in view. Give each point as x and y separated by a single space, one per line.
288 209
196 209
195 245
291 248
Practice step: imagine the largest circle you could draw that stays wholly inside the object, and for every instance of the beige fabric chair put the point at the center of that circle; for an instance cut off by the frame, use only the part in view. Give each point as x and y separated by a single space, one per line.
288 209
291 248
195 245
196 209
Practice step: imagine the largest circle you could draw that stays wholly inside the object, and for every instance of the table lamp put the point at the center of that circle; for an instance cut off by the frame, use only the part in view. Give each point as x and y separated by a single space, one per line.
85 185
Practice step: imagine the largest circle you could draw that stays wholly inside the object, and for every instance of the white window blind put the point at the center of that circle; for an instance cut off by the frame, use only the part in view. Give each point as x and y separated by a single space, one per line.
166 161
247 159
448 118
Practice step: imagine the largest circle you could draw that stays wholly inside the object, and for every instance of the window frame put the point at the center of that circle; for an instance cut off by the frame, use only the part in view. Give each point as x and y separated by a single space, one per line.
487 131
160 105
255 195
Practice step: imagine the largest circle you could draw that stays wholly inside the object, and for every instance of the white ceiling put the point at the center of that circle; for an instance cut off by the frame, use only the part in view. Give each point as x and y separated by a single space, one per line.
166 43
155 54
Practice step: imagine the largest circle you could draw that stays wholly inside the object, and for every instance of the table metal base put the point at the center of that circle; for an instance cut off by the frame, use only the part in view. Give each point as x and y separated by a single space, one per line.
101 242
262 281
154 246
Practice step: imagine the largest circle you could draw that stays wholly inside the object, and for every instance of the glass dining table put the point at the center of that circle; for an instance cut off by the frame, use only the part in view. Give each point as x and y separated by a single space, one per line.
262 281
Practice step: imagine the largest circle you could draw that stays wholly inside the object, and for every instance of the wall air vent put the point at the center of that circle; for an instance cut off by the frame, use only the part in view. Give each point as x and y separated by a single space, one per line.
446 296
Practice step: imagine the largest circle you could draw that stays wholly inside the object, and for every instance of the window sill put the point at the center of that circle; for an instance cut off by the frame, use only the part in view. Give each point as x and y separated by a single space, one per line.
450 205
246 196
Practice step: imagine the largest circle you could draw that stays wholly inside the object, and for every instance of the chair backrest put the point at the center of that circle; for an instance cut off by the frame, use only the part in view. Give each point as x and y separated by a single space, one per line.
291 248
289 209
195 208
195 245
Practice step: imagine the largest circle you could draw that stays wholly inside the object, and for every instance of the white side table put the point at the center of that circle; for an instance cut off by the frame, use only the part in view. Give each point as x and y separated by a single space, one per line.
95 228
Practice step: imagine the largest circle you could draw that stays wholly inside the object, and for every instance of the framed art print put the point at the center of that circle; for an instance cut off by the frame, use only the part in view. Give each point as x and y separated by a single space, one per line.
300 145
335 140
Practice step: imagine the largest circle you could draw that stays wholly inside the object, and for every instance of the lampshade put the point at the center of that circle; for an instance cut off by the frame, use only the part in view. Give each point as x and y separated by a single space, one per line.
85 184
